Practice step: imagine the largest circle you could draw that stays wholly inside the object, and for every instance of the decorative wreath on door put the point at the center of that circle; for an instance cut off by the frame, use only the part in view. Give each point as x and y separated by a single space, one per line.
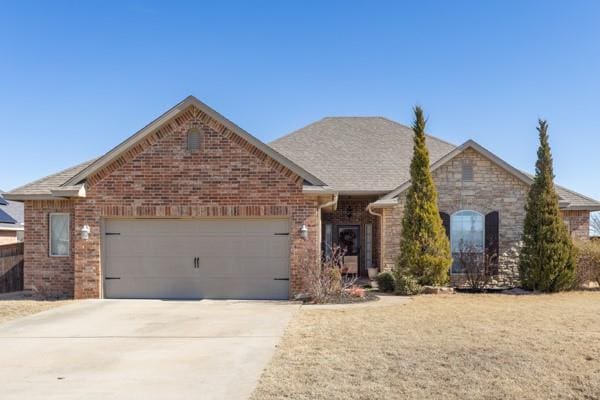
347 239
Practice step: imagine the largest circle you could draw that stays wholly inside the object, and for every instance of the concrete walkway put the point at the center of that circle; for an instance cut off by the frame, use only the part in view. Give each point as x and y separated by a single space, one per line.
141 349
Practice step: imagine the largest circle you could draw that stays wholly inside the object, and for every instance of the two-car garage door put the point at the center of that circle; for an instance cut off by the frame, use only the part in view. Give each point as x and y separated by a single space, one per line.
189 259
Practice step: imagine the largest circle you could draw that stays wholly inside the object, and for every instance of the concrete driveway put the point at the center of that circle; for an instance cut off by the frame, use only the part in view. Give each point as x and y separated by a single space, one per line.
141 349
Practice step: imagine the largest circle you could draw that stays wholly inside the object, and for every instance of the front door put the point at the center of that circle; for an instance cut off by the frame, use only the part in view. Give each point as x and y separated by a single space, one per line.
349 242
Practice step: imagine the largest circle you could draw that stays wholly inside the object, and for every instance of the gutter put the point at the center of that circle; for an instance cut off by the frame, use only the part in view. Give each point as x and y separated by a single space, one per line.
24 197
329 203
60 193
380 216
319 228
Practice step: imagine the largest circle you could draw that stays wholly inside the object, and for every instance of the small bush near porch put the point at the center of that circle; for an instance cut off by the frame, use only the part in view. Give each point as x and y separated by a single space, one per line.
460 346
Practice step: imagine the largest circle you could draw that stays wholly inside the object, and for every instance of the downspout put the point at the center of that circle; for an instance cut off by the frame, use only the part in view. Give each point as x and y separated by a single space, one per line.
329 203
319 229
380 216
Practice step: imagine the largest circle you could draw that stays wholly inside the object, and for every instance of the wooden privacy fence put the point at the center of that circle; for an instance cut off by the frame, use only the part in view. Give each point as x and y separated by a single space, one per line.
11 267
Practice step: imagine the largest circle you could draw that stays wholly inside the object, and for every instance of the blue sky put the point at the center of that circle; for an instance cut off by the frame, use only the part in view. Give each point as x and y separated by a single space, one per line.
77 78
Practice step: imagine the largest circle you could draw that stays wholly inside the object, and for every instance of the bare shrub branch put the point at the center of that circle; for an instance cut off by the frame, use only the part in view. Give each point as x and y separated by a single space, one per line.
324 281
478 267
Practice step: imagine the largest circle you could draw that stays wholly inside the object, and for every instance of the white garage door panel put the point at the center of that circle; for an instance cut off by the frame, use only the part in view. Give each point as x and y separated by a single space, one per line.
237 258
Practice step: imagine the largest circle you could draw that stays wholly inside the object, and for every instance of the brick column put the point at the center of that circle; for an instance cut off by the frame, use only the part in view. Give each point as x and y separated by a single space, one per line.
86 263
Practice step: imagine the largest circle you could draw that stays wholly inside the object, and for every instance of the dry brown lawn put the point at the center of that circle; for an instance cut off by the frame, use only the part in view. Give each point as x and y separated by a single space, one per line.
11 309
442 347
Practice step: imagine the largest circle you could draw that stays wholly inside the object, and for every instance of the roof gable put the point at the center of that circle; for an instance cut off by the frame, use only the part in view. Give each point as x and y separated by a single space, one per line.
162 123
568 198
469 144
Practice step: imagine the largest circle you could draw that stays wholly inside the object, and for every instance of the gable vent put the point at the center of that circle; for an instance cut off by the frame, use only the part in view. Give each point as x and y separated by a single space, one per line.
467 172
194 138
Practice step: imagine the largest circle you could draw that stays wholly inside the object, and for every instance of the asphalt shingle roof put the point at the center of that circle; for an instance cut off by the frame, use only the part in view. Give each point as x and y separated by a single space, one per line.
369 154
350 154
573 198
356 153
44 185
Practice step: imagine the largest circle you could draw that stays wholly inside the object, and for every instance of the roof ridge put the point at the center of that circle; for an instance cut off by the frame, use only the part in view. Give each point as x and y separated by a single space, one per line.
54 174
426 134
352 116
296 130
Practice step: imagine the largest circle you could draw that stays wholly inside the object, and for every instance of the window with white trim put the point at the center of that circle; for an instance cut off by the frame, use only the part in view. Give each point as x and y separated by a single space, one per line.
467 232
59 235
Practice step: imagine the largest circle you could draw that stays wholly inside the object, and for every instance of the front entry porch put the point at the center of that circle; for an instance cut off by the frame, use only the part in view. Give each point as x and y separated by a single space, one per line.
351 227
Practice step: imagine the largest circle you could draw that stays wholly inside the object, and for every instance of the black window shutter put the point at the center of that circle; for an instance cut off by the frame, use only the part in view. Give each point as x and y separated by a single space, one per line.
446 222
492 227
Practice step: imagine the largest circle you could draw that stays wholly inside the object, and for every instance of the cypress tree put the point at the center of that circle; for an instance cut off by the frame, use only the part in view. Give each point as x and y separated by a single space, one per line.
547 260
424 246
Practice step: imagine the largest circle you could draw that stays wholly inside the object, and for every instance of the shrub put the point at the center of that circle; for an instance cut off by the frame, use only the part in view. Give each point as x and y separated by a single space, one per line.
386 282
424 246
547 262
407 285
323 281
478 268
588 263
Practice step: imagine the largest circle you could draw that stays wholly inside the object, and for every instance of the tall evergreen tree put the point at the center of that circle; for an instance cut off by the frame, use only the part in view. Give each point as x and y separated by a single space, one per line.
424 246
547 261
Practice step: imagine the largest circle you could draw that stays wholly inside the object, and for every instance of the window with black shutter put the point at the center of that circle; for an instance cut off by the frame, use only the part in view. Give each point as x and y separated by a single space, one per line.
492 226
446 222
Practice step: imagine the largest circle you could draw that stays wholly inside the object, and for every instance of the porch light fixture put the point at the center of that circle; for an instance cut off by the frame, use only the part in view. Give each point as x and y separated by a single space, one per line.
304 232
85 232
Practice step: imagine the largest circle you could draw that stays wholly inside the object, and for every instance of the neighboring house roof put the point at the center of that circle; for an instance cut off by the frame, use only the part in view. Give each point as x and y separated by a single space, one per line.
356 154
11 214
568 198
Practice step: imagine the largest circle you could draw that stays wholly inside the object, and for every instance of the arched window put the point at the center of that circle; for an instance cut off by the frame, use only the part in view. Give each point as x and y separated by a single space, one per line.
467 233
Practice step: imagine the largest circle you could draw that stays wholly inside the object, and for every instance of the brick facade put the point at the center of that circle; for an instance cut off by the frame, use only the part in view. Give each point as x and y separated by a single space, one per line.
229 177
492 189
47 275
352 210
578 222
159 177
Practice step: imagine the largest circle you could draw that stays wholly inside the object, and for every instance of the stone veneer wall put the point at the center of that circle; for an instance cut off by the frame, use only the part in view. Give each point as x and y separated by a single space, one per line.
492 189
227 177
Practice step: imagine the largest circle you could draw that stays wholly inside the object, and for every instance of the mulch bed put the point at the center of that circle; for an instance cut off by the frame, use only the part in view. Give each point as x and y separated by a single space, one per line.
369 296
